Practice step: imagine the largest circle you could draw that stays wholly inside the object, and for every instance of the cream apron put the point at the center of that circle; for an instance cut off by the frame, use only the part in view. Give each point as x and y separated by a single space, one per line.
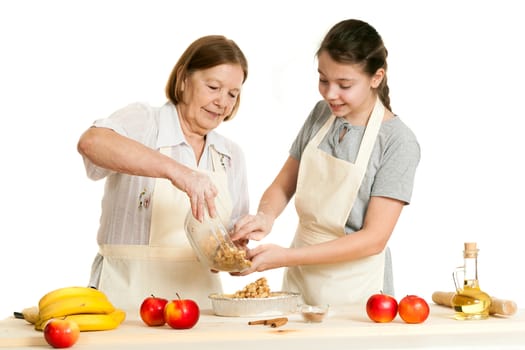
326 191
168 264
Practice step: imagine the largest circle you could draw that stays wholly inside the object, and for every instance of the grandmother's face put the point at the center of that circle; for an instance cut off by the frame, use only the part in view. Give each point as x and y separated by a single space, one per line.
209 96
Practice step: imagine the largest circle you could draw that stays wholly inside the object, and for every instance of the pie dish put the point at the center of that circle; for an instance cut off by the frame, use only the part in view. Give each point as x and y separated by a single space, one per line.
278 303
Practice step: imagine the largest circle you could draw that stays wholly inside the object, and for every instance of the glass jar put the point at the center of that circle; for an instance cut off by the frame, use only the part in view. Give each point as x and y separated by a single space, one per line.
469 302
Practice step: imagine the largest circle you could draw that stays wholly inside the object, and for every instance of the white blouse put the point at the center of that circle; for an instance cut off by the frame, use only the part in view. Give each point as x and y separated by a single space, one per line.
126 213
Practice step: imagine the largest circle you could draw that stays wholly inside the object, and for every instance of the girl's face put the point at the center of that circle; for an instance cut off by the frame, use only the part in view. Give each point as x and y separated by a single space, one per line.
348 90
209 96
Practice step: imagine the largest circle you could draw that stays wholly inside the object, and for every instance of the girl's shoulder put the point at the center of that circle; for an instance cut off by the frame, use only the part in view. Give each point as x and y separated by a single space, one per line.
397 129
317 117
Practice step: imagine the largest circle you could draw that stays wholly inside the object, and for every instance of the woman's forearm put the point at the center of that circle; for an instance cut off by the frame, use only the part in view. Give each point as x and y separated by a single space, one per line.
110 150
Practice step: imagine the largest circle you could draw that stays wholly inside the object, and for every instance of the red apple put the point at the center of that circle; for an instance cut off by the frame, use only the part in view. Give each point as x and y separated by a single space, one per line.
413 309
152 311
381 308
61 333
181 313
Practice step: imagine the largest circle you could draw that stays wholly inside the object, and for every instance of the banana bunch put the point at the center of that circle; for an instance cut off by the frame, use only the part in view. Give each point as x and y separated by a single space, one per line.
88 307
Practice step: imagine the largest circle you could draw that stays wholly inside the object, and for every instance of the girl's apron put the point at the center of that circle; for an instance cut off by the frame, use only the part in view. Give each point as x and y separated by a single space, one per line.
168 264
326 191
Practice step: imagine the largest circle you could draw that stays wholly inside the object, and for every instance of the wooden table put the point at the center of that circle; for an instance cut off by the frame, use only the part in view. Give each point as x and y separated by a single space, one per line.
341 329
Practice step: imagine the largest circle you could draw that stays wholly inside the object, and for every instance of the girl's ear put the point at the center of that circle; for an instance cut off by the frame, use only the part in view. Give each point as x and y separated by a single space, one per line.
377 78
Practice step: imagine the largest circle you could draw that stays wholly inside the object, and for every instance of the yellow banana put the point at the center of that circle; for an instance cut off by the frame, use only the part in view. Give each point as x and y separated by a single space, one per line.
100 322
76 305
93 322
68 292
30 314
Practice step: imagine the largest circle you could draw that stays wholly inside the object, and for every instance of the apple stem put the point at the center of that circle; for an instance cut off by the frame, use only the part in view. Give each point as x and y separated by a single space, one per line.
178 296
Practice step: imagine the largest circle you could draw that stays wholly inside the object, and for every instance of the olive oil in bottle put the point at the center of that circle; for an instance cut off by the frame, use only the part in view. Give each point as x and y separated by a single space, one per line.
470 302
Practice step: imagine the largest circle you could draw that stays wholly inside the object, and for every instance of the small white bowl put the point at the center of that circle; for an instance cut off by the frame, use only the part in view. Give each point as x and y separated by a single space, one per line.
314 313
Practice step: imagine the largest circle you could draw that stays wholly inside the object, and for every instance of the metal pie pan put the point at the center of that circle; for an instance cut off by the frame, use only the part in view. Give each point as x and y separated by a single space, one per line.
278 303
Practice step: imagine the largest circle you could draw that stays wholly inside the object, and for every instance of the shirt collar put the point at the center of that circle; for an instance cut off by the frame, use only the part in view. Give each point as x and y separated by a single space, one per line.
170 132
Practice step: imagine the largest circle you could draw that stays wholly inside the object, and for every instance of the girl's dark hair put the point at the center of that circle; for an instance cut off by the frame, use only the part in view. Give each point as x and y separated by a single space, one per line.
205 52
356 42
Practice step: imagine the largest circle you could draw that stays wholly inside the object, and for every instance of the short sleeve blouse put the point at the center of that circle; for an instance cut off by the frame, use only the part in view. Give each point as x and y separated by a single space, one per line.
123 218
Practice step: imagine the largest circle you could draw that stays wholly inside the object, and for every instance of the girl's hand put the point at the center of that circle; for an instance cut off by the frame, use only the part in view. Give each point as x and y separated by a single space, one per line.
265 257
252 227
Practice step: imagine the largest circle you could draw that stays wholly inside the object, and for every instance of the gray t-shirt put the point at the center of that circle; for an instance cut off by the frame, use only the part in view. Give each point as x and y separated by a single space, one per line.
392 164
390 171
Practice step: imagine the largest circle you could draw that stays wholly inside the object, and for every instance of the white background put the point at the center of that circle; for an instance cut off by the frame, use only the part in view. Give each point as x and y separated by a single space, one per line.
456 78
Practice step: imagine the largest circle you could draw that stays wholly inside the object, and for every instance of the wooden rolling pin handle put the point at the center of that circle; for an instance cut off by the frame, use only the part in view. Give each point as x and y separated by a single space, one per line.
443 298
502 307
497 306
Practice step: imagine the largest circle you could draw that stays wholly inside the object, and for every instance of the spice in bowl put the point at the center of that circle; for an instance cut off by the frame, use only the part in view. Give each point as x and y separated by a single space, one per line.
314 313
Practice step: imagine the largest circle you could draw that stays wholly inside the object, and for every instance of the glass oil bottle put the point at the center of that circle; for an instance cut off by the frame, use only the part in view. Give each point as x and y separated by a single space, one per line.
469 302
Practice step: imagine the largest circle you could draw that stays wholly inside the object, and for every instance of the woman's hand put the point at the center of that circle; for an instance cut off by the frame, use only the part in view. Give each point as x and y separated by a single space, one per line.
252 227
200 190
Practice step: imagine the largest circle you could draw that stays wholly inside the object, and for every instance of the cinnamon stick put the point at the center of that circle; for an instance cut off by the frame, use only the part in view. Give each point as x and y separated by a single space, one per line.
251 323
273 322
279 322
497 306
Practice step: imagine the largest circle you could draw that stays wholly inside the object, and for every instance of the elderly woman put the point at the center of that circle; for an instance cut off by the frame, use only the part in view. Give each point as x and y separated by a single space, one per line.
161 162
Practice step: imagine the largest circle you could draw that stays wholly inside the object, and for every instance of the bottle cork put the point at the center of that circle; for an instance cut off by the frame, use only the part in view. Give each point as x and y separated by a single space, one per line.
471 250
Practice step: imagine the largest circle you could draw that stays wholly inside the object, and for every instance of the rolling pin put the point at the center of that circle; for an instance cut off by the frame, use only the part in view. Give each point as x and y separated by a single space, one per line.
497 306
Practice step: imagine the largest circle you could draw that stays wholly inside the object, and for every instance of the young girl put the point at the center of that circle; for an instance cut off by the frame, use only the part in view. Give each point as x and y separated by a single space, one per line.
351 169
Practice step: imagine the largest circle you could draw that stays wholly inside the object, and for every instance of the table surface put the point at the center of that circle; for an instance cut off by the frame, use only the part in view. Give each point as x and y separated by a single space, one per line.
341 329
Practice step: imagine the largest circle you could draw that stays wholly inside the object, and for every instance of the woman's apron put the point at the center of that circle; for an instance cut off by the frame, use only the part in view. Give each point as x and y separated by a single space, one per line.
326 191
168 264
